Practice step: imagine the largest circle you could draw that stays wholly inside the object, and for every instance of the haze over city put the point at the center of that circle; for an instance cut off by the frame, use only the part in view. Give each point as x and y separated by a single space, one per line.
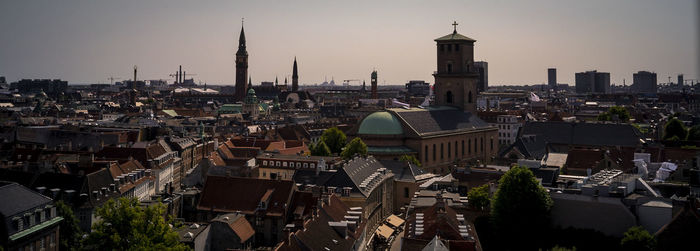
89 41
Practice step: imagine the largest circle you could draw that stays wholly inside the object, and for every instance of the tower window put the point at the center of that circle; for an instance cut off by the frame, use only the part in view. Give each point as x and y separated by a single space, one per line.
470 96
456 47
449 67
442 47
434 152
462 147
448 97
449 47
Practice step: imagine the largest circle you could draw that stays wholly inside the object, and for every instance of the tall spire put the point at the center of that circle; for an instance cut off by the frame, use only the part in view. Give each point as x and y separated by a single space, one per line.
295 76
250 82
241 41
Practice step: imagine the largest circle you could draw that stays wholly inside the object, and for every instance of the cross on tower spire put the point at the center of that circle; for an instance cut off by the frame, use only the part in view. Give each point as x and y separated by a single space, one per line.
455 25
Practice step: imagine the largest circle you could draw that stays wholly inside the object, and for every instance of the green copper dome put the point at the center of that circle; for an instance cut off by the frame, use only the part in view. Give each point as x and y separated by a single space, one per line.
380 123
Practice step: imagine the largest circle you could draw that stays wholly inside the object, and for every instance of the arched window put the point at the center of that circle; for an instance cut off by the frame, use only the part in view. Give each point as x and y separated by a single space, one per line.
449 67
448 97
470 96
434 153
462 147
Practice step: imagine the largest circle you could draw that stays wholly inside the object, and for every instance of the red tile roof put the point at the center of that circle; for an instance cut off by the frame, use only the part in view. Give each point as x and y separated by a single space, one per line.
231 194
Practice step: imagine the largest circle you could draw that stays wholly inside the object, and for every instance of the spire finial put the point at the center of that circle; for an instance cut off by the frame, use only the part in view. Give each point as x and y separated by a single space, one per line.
455 25
242 21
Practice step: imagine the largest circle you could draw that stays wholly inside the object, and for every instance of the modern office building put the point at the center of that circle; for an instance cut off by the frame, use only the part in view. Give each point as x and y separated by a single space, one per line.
593 82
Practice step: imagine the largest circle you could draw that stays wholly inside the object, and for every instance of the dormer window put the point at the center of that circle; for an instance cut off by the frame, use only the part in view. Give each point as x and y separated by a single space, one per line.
19 223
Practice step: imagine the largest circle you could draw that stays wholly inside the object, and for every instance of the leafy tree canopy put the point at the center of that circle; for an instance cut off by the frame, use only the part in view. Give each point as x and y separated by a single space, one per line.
320 149
356 146
126 225
70 233
675 127
638 239
520 208
479 197
334 138
616 111
694 133
410 158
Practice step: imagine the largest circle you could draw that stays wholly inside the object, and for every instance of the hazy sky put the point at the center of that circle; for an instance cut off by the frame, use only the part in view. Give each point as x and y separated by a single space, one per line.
88 41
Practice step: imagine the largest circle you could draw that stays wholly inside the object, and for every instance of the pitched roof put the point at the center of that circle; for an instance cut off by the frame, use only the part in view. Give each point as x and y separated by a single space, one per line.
437 120
535 136
455 36
19 198
231 194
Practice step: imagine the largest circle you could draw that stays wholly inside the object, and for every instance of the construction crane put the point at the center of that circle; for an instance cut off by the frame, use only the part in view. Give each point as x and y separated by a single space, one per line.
111 79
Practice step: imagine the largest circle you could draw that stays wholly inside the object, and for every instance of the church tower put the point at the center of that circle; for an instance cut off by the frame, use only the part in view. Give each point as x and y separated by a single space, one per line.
455 78
373 81
241 67
295 76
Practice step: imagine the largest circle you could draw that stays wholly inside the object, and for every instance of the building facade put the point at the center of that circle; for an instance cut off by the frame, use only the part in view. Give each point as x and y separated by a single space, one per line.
592 82
644 82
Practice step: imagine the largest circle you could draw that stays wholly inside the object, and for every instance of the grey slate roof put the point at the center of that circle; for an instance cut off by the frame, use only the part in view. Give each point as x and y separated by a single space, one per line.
534 137
17 199
424 122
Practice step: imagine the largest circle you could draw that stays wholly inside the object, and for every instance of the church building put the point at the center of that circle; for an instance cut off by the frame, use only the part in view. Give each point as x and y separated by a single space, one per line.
447 132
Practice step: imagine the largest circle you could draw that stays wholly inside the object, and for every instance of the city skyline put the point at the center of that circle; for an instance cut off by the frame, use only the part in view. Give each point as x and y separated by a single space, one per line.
87 42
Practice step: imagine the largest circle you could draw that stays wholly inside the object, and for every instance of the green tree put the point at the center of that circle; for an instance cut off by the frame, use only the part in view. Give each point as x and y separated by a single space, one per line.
619 111
356 146
410 158
638 239
559 248
694 133
479 197
70 233
675 127
334 138
520 209
320 149
125 225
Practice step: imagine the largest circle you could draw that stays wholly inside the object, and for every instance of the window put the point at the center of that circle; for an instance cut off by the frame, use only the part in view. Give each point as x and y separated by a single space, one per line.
313 165
425 156
434 151
449 47
456 47
264 162
306 165
476 148
470 146
463 147
470 96
264 174
449 67
449 150
405 192
284 164
442 151
448 97
491 144
456 149
279 163
442 47
482 144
